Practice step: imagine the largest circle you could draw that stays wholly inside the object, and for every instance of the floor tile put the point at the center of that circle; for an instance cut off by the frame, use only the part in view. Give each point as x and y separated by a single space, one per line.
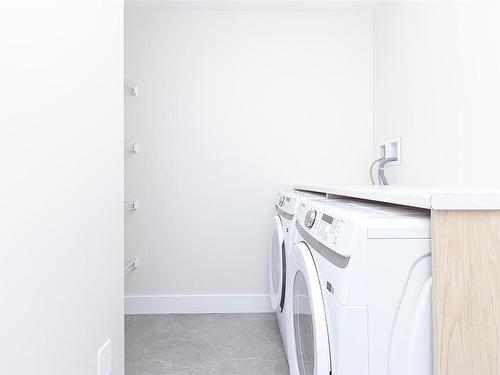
213 344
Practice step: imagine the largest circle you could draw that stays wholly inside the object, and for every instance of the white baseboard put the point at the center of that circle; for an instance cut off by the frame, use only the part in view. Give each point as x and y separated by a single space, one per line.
197 304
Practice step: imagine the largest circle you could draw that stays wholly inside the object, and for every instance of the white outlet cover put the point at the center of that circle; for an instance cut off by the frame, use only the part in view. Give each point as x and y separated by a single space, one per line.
104 359
391 149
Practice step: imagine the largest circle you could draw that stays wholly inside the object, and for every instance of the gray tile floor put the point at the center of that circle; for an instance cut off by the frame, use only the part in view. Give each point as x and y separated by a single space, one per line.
211 344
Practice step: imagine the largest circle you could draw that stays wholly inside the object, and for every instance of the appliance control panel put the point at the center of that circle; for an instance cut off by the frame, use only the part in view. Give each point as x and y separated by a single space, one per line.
332 231
286 203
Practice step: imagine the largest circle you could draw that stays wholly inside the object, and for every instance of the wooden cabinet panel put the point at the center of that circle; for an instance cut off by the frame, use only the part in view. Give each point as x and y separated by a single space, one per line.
466 292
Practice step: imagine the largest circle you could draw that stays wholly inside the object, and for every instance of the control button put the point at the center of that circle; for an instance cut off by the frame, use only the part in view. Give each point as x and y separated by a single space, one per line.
310 218
282 201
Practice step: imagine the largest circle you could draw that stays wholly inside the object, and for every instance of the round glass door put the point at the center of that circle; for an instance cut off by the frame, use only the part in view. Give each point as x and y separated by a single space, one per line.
312 348
276 265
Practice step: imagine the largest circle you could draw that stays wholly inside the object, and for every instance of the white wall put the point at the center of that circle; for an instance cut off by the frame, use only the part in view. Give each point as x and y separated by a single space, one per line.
235 106
61 189
437 85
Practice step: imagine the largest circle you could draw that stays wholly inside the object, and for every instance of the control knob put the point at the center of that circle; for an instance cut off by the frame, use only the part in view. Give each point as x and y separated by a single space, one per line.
282 201
310 218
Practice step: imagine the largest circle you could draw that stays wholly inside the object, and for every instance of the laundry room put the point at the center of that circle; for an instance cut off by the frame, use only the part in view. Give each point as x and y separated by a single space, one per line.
250 187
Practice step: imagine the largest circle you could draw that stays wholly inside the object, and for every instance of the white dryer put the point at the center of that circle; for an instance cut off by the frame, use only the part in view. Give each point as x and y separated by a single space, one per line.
286 207
360 280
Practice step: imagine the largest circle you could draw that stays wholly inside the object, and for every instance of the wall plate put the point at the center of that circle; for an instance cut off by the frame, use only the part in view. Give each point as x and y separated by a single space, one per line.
391 149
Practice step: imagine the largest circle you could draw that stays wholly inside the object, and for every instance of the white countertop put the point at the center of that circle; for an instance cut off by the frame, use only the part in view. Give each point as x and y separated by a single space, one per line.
422 197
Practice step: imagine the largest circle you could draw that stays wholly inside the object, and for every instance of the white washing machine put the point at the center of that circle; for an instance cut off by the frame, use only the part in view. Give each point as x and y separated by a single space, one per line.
286 207
360 282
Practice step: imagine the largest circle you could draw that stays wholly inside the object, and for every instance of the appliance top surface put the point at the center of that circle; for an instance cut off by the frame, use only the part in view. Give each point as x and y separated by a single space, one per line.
362 210
301 194
435 198
380 220
337 223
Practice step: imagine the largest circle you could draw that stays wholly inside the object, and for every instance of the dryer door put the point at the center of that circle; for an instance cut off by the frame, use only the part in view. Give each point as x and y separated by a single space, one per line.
310 330
277 266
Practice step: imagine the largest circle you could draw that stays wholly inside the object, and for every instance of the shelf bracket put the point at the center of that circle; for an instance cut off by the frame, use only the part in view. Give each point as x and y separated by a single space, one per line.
131 205
133 265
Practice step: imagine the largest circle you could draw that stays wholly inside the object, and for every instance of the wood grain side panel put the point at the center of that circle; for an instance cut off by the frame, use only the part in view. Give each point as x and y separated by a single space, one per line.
466 292
335 196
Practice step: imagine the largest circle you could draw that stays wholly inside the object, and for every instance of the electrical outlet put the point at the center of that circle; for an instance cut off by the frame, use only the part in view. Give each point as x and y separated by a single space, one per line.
104 359
391 149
